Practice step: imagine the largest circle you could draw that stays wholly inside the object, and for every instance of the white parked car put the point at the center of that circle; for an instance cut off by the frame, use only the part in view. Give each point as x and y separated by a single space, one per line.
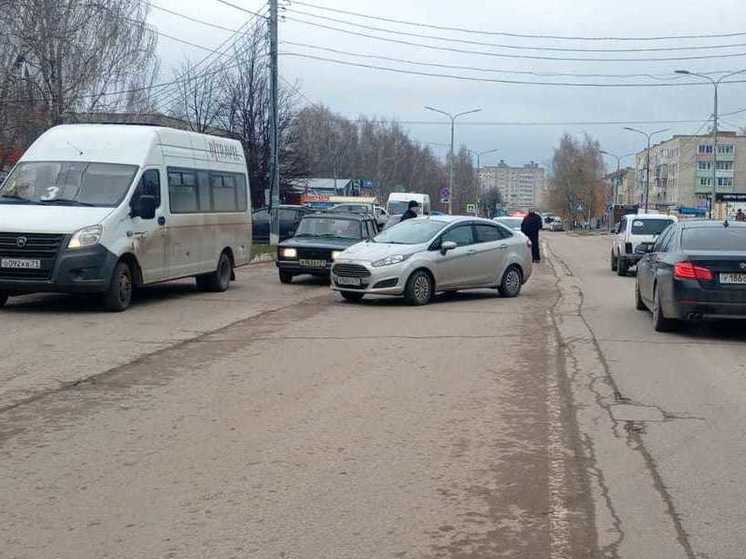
422 256
633 230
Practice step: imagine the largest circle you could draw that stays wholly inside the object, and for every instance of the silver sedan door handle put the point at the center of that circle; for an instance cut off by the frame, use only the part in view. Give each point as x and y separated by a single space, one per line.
503 247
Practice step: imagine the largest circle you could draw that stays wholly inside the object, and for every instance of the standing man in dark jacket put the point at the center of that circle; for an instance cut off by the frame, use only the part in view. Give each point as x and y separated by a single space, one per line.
530 227
411 211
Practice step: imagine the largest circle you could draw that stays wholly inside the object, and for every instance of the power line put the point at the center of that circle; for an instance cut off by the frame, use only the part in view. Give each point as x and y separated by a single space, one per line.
256 14
521 35
516 47
189 18
483 69
170 98
511 56
178 40
493 80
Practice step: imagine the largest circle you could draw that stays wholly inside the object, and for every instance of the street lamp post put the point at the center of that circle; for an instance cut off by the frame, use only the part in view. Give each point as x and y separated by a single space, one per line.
715 83
648 135
450 157
614 190
479 155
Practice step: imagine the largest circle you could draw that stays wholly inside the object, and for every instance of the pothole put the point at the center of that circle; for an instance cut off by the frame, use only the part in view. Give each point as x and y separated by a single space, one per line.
631 412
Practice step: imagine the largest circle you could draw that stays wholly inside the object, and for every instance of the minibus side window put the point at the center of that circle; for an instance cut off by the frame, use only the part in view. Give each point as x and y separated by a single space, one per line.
183 192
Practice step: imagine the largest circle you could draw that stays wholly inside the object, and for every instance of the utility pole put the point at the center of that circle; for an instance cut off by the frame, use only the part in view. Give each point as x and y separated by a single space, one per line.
451 155
274 142
715 83
648 135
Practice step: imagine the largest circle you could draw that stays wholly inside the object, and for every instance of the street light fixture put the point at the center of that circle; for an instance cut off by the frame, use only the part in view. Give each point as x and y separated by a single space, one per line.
648 135
715 83
450 157
614 189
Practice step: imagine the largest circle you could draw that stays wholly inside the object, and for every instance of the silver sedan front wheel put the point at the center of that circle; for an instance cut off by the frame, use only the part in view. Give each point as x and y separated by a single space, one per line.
419 289
511 283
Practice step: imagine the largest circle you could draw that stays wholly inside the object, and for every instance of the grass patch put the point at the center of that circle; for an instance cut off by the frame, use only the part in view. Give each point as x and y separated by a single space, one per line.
261 249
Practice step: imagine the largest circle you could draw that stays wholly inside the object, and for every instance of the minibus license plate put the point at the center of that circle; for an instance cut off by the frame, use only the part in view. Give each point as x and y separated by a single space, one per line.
320 264
20 263
349 281
734 279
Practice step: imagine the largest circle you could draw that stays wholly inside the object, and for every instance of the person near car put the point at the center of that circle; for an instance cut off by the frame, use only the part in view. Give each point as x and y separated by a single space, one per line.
411 211
530 227
740 216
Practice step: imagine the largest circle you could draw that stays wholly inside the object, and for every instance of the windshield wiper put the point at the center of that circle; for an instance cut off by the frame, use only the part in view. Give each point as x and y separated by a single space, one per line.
67 202
18 198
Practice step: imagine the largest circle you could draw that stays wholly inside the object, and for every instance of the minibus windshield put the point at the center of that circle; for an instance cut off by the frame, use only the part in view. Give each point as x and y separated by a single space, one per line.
69 183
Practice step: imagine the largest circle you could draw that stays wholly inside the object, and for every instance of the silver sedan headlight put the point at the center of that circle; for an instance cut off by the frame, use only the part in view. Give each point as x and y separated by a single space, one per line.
390 260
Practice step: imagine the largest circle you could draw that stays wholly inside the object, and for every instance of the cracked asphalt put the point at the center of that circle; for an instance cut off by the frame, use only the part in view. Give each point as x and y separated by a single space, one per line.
280 422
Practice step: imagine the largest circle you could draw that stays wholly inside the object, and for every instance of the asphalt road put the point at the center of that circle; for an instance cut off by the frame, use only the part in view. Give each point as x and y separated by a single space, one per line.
662 415
280 422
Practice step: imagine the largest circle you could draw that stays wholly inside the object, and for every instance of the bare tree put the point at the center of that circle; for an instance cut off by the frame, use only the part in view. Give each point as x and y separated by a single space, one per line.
576 182
199 99
63 56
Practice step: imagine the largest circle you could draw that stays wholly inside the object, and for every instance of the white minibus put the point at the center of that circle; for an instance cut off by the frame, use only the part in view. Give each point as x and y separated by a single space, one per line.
107 208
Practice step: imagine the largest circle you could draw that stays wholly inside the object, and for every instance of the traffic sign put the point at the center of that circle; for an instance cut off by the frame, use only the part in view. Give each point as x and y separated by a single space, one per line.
445 194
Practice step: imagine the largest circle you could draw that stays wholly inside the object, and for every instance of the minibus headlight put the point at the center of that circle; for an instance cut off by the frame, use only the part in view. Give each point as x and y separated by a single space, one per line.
336 254
86 237
288 253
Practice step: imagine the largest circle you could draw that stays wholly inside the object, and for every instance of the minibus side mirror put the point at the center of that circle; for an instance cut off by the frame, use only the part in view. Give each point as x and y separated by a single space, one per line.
144 207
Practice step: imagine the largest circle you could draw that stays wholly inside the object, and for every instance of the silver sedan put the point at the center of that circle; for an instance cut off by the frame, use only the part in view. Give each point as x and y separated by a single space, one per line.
420 257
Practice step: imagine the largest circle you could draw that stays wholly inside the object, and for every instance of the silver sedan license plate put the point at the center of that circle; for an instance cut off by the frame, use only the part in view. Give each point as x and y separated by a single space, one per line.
20 263
354 282
320 264
733 279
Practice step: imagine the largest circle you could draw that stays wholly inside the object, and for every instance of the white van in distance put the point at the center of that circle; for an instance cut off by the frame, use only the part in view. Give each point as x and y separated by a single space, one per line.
398 203
107 208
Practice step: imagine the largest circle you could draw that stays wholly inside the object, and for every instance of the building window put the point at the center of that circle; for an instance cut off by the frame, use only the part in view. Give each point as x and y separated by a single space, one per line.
705 148
703 165
725 148
704 181
725 165
725 181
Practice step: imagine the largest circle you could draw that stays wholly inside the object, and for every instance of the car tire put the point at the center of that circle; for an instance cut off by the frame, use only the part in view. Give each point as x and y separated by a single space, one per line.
510 286
639 303
286 277
419 290
614 262
219 280
621 266
660 322
3 299
118 296
352 296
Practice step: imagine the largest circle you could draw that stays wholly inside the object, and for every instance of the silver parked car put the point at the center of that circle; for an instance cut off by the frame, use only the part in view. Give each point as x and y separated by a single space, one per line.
422 256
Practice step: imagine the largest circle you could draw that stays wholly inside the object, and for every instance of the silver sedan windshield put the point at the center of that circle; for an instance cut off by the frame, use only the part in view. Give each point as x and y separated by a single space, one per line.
411 232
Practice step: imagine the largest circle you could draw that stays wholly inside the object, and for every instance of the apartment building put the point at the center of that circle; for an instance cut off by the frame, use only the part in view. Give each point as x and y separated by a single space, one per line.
681 174
520 187
622 186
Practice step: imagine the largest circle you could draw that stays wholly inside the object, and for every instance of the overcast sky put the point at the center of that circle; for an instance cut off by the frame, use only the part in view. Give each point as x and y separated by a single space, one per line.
360 91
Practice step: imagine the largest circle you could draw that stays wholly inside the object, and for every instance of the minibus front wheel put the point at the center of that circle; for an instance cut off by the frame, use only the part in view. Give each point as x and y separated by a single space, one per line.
119 295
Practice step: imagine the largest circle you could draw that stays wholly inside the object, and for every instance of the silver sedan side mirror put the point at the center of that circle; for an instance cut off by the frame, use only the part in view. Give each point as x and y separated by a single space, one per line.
446 246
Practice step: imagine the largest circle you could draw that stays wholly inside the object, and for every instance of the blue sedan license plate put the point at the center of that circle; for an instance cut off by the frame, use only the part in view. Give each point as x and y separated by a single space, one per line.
733 279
